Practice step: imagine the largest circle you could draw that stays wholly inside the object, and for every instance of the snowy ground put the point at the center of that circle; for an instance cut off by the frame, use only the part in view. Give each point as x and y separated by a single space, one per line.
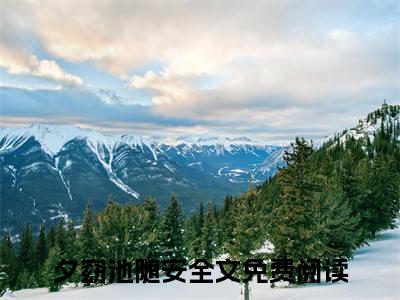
373 274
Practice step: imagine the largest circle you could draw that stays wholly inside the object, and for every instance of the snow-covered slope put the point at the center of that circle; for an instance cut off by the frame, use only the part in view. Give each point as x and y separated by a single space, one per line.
43 166
54 137
373 275
240 153
384 117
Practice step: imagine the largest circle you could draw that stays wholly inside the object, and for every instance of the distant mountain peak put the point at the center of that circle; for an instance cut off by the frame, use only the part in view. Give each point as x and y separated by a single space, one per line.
53 137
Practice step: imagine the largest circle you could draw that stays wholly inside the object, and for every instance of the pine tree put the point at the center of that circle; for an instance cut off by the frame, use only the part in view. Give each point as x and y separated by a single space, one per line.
8 261
25 255
208 235
152 228
194 233
142 226
335 228
200 219
50 273
87 243
227 222
40 249
292 220
51 238
115 233
23 280
380 200
40 256
248 234
172 232
70 241
61 235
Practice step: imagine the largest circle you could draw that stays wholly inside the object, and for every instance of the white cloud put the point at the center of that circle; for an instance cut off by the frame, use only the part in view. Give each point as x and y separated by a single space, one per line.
51 70
16 34
18 62
341 65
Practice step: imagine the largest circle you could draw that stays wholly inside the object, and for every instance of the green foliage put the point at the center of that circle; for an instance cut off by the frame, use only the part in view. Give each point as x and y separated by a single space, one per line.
4 282
119 230
40 249
246 231
194 235
40 255
208 235
26 250
151 234
51 238
50 273
8 263
87 243
172 241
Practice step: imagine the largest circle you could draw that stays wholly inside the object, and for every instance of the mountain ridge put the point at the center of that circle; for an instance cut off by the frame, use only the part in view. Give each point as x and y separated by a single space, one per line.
52 171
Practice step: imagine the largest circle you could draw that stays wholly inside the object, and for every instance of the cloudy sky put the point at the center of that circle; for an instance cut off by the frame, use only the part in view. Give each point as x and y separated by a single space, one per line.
269 70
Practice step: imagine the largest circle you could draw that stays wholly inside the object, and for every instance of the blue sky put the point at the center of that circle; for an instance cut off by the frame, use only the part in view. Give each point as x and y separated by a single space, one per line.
269 70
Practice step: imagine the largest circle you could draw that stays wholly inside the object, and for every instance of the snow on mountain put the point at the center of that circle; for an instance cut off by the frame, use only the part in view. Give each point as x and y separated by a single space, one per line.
45 165
212 140
368 127
386 116
54 137
272 162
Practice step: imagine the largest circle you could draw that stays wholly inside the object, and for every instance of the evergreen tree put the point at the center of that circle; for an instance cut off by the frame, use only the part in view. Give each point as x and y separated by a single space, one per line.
24 281
40 249
123 231
335 228
172 233
70 241
8 261
87 243
380 199
194 234
248 234
142 231
40 256
50 273
293 233
51 238
208 235
190 236
25 255
152 228
227 222
200 220
61 235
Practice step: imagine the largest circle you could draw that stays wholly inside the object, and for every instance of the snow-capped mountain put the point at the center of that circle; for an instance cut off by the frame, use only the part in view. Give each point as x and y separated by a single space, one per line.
53 171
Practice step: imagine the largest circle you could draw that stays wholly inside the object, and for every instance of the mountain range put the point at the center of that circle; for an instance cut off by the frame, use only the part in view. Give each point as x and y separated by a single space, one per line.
49 172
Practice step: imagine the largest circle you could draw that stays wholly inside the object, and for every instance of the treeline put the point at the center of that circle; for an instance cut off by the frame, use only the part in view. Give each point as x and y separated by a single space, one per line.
116 232
132 231
323 205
